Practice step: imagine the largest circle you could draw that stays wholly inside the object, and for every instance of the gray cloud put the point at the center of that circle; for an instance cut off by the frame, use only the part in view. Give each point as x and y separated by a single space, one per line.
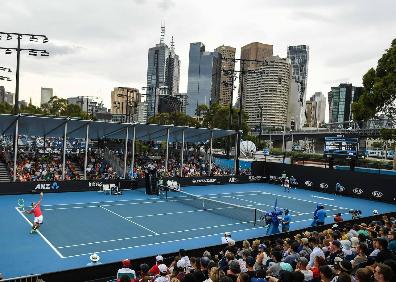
166 4
103 44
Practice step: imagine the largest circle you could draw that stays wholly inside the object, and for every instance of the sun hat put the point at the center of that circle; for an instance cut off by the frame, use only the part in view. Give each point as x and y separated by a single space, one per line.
159 258
94 257
163 268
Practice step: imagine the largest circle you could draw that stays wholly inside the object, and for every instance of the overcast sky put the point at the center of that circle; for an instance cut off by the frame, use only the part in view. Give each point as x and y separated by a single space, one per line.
96 45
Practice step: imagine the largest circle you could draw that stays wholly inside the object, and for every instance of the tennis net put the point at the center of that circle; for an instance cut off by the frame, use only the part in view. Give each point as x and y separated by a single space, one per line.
241 213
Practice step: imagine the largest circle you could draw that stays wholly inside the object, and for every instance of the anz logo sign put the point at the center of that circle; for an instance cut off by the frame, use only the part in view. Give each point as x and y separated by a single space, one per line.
47 186
377 194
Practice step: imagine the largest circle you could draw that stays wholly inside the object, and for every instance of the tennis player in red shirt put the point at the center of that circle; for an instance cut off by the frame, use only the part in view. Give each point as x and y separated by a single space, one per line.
38 215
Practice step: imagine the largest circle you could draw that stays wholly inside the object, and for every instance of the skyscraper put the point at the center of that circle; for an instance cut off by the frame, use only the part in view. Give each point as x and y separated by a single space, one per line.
226 78
299 57
172 71
46 95
340 100
270 92
318 109
204 71
163 73
123 96
253 51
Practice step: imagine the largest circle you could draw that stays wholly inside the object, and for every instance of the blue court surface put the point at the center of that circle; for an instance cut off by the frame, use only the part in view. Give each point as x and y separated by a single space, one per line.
136 225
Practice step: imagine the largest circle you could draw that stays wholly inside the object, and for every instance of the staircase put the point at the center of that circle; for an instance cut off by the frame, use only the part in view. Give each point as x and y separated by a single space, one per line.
78 169
4 176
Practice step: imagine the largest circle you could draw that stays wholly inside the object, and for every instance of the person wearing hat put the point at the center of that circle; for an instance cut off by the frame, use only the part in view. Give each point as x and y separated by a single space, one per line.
338 217
302 264
320 216
163 274
233 270
94 260
126 271
38 214
226 239
346 248
154 270
286 221
342 268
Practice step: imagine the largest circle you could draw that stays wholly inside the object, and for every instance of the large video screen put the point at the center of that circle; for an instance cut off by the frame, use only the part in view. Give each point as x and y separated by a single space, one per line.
341 146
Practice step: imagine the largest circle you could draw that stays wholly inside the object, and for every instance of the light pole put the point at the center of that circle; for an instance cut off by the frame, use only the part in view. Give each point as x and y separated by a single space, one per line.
261 122
242 71
18 49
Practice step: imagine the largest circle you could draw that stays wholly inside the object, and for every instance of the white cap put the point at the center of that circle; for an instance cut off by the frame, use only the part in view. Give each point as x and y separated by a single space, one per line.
94 257
159 258
163 268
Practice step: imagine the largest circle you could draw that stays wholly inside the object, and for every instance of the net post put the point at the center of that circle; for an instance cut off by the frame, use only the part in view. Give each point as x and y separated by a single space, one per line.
255 217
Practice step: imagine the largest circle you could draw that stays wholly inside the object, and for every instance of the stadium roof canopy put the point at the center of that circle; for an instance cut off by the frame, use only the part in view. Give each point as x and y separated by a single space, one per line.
47 126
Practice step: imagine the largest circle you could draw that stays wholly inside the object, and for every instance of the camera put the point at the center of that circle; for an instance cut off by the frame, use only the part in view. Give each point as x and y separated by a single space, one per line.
355 213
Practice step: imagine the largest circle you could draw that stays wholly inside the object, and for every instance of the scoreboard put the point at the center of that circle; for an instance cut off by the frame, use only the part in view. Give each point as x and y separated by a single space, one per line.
341 147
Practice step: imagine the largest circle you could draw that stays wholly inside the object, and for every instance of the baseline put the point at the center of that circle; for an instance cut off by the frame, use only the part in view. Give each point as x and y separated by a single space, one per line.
41 235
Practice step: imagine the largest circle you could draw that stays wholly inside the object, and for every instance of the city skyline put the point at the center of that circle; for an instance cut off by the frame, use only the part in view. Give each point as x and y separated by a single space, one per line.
91 56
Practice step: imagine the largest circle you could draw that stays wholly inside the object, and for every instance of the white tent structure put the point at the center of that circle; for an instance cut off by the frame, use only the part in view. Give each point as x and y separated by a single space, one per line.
65 127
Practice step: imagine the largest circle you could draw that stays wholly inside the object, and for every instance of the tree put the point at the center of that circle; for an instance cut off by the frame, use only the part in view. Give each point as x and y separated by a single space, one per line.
389 136
55 106
379 92
5 108
178 119
379 88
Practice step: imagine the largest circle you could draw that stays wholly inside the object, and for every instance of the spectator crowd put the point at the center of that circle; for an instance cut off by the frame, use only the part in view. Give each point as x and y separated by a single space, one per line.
359 252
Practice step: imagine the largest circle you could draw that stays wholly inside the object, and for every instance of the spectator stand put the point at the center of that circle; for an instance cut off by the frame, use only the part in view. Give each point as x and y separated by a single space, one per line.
63 127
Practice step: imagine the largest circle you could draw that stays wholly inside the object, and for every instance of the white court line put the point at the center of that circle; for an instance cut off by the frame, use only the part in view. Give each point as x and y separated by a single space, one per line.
127 219
161 234
324 198
164 242
124 202
42 236
288 197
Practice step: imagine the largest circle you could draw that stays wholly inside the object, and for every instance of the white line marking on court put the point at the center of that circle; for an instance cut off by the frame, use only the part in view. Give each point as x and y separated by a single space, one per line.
288 197
324 198
163 242
127 219
145 236
41 235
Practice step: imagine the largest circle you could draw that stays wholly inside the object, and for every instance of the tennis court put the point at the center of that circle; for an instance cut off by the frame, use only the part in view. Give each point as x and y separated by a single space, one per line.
136 225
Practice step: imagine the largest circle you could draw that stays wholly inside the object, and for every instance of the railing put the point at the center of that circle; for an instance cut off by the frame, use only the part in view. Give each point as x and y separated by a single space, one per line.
29 278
